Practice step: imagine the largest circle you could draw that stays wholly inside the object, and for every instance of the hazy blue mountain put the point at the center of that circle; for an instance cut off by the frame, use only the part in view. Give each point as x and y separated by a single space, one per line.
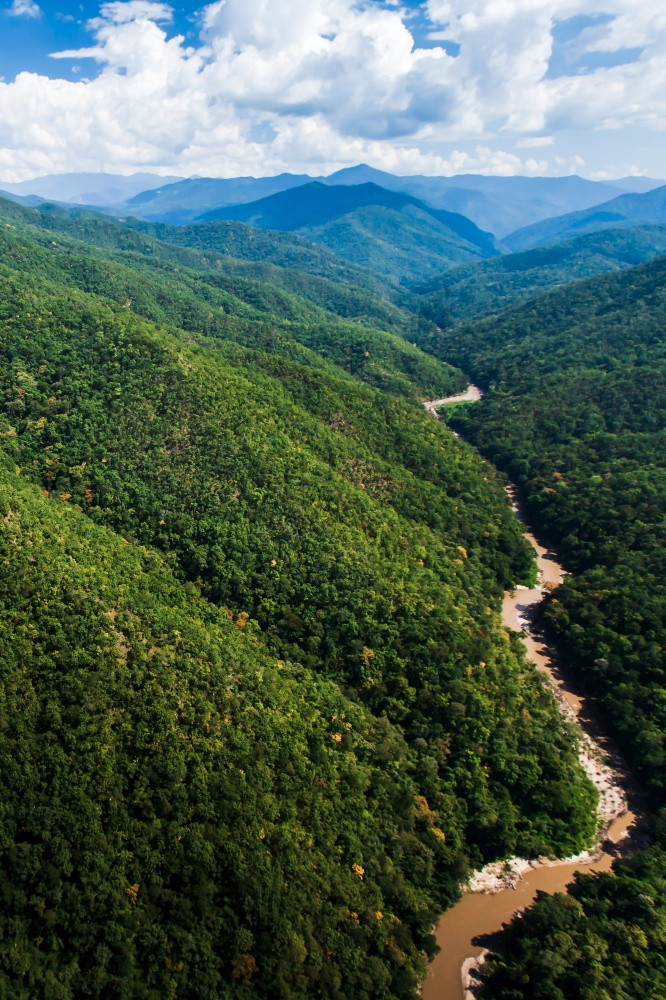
637 184
315 204
500 205
491 286
496 204
492 202
183 201
28 200
87 189
392 233
623 212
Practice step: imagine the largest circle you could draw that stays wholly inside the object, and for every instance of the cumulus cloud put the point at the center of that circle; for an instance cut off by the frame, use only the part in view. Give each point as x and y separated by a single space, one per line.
355 65
122 11
533 141
317 84
25 8
506 46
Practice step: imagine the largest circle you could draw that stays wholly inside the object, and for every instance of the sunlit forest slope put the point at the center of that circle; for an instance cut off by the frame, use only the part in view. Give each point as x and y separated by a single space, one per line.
574 412
260 714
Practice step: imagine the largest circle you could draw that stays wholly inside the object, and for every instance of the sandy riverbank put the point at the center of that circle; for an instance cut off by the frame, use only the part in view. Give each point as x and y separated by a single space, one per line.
499 890
471 395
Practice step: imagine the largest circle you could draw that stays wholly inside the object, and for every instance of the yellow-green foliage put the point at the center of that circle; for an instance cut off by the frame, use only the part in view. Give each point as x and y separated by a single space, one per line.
575 413
260 712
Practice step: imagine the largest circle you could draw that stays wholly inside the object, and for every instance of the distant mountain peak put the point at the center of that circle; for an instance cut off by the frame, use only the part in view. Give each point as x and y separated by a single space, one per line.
391 232
499 205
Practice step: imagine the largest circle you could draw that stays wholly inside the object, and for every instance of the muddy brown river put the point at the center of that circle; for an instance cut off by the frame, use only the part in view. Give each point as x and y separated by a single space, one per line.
501 890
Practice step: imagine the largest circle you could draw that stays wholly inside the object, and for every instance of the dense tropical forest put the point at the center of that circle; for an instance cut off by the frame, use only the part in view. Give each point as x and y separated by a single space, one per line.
260 713
261 717
474 290
574 412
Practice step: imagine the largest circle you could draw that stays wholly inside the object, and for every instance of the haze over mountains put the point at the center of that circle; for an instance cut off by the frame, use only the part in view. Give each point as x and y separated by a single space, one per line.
407 231
623 211
388 231
101 189
262 716
496 204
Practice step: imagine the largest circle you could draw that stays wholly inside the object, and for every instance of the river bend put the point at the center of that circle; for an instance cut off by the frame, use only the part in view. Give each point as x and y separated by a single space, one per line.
500 890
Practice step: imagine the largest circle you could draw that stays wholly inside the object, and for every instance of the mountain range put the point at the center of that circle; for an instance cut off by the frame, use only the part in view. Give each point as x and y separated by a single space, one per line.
388 235
251 647
260 713
496 204
621 212
100 189
390 232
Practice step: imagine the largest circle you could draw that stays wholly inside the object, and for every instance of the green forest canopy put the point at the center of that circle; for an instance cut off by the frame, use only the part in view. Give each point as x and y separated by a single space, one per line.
574 411
261 715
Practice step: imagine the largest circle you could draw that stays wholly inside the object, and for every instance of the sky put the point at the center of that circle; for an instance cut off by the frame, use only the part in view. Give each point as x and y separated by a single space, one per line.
238 87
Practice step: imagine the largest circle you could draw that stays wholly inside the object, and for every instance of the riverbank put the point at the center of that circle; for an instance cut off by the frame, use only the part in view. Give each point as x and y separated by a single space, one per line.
498 891
472 394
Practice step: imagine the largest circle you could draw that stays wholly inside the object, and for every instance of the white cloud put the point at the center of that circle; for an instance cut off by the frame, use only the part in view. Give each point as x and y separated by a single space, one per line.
317 84
506 46
122 11
535 141
356 65
25 8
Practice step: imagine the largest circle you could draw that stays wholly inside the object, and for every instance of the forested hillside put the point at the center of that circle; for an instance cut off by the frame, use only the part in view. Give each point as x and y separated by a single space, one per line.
244 248
390 232
625 211
474 290
260 711
296 314
574 412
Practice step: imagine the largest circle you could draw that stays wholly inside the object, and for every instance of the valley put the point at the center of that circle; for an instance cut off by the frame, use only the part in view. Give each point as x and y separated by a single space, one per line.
274 639
500 891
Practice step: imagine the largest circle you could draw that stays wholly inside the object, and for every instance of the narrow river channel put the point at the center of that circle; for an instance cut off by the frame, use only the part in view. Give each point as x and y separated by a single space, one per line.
501 890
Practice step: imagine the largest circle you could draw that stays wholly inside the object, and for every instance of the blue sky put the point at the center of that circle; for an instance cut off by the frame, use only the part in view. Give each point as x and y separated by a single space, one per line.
26 40
258 86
